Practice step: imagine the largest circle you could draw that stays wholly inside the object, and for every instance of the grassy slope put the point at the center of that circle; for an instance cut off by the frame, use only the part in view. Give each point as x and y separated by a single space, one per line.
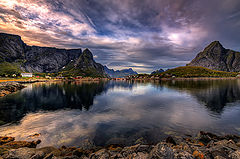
196 71
9 68
70 70
77 72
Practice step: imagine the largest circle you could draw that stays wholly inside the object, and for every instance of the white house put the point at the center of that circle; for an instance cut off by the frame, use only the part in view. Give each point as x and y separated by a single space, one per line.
26 74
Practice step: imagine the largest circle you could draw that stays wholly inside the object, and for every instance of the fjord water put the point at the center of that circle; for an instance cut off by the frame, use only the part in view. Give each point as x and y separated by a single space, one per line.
73 113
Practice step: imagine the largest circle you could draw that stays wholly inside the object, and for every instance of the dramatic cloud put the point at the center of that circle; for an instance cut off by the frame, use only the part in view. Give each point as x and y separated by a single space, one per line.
145 35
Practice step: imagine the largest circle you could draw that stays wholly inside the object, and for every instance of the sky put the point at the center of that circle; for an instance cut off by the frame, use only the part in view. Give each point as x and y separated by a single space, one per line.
142 34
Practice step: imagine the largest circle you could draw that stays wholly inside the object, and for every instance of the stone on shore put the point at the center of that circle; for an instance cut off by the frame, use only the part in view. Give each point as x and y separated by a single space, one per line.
204 146
9 87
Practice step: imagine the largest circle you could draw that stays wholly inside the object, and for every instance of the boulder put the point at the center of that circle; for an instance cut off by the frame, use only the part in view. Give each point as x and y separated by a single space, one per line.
161 151
20 144
21 153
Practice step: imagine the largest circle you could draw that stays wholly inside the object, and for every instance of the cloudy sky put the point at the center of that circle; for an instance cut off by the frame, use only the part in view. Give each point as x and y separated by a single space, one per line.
142 34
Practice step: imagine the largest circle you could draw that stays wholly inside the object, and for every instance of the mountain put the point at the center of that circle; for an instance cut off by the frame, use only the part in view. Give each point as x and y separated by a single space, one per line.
16 57
216 57
84 66
157 71
119 73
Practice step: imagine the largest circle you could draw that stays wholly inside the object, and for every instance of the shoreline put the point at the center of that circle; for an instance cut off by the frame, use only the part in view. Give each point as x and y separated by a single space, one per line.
183 79
204 145
7 88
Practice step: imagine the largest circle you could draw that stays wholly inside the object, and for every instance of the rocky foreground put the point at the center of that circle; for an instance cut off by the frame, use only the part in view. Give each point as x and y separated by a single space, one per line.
9 87
204 145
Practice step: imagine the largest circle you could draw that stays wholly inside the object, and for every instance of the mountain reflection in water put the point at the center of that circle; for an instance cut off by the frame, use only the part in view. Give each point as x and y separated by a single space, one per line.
68 113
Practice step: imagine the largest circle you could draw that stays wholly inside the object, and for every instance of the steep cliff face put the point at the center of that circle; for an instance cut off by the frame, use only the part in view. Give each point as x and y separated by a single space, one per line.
11 48
34 58
85 66
216 57
14 52
119 73
44 59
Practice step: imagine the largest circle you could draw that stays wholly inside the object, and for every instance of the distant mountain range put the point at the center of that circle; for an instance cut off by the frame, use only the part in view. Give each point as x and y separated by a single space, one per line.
16 57
157 71
216 57
119 73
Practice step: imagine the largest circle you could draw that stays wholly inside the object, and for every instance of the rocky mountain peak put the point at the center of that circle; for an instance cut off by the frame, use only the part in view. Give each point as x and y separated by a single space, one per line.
87 54
216 57
215 47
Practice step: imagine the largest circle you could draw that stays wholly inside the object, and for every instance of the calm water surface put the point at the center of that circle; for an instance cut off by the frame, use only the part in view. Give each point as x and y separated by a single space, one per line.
120 112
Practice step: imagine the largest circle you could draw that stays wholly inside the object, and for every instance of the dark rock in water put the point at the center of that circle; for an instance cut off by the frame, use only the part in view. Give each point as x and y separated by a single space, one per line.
206 137
170 140
141 141
9 87
19 144
4 140
216 57
12 149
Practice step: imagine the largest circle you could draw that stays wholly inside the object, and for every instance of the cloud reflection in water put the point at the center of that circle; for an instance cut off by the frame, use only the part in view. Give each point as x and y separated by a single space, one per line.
123 113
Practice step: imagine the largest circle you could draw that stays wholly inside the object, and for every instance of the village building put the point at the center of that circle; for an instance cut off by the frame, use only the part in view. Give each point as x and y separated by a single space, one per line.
26 74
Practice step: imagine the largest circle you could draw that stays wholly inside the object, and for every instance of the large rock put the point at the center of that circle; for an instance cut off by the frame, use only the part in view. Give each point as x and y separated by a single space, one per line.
8 88
32 153
235 155
216 57
21 153
162 151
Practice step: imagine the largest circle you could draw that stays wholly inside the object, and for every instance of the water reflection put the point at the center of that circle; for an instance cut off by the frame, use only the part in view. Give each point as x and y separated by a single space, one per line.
120 112
49 96
214 94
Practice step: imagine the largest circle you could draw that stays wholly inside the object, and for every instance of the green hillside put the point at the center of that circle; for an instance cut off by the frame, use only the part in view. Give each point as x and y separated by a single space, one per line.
7 68
196 71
